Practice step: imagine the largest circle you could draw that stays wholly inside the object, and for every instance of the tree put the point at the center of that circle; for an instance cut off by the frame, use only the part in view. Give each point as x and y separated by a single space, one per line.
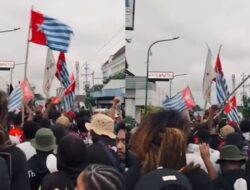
96 87
120 75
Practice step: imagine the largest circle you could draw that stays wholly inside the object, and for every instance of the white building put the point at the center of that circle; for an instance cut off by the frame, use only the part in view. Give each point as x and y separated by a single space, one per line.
115 87
135 96
115 64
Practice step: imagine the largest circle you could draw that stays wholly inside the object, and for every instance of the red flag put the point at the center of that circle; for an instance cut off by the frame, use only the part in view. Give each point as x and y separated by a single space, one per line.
188 98
231 105
59 65
38 36
71 87
218 67
73 81
27 92
56 100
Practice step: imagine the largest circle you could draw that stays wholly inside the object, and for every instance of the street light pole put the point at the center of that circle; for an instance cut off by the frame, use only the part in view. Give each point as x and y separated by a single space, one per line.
171 82
146 93
170 87
12 30
11 71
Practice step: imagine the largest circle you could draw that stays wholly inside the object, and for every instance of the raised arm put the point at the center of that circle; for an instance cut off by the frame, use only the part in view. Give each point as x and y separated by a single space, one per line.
205 155
112 109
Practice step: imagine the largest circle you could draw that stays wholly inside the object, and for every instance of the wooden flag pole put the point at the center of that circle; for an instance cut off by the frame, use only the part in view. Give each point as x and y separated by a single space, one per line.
27 49
26 60
204 109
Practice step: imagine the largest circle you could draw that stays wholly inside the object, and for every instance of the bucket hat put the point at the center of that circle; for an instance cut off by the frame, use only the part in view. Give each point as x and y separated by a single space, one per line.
102 125
226 130
230 153
63 120
44 140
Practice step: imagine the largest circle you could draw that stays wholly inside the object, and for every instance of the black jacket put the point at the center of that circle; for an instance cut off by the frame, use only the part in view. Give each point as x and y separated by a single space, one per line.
19 168
37 169
4 174
102 152
227 179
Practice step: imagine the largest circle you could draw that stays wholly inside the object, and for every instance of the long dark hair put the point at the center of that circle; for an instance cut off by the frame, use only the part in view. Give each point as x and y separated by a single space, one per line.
4 141
160 141
3 108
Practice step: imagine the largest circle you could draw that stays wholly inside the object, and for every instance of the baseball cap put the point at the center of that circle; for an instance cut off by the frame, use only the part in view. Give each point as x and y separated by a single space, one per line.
163 178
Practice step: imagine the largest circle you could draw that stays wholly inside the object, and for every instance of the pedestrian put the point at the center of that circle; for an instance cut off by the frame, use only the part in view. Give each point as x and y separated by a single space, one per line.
159 141
101 177
17 162
163 179
29 129
72 158
101 129
44 143
231 160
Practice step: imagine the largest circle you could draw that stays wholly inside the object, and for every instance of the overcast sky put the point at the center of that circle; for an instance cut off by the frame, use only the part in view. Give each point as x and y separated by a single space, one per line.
197 22
98 27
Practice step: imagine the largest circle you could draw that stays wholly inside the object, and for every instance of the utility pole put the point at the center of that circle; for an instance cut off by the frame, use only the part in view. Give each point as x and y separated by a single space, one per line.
93 78
85 75
233 81
244 94
86 72
243 86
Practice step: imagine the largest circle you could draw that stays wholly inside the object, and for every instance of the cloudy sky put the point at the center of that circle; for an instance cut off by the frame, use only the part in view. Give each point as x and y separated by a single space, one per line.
196 22
98 27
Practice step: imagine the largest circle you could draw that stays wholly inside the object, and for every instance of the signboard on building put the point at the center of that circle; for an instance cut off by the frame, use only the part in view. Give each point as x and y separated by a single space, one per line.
160 75
7 65
130 12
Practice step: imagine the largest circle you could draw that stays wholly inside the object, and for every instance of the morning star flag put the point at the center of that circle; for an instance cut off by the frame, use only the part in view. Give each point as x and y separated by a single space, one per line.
222 91
50 32
49 72
209 76
62 72
181 101
230 105
15 99
69 95
27 92
63 76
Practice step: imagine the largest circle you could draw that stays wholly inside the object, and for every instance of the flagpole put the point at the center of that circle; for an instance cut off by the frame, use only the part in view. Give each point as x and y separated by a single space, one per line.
204 109
26 60
27 49
219 49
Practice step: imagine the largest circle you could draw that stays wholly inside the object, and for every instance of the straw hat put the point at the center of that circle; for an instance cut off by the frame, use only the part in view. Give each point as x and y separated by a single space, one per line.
226 130
102 125
63 120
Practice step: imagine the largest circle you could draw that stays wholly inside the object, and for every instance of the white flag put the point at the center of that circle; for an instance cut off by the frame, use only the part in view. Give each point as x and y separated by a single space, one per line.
209 76
49 72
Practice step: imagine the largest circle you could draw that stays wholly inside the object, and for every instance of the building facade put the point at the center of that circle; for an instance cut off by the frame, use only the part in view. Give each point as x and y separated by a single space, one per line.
115 64
135 96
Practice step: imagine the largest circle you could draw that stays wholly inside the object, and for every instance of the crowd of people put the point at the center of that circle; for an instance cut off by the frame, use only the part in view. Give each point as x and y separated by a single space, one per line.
47 149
